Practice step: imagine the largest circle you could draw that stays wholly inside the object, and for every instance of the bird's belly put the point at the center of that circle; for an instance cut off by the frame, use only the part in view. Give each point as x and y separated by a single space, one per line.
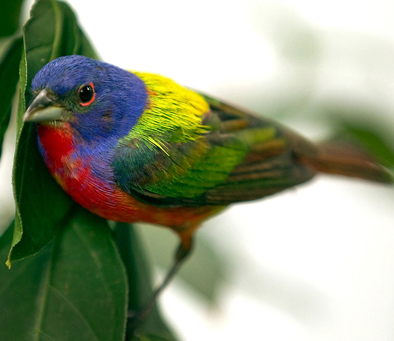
110 202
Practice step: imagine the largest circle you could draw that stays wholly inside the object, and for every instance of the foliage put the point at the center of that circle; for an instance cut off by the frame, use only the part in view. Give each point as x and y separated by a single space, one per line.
65 267
9 17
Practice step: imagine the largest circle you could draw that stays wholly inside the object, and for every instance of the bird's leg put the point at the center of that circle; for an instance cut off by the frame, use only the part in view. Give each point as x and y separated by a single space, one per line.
134 319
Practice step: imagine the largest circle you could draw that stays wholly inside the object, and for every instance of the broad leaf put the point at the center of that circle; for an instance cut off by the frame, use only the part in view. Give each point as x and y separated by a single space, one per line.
140 287
76 277
9 17
41 205
9 75
73 289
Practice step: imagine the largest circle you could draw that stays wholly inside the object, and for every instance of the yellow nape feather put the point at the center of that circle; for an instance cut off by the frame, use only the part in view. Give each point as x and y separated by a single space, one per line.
173 113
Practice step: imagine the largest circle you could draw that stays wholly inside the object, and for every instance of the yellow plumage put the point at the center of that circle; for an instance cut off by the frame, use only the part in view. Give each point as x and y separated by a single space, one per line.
173 113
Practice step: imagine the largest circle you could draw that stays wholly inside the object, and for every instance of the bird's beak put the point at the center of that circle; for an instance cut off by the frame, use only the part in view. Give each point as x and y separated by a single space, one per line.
43 109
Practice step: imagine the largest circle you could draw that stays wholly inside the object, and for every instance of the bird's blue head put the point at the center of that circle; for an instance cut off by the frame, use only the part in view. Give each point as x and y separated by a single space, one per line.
97 99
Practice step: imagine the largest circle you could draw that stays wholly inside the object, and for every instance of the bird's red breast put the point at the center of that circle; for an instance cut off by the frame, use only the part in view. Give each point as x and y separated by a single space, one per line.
100 197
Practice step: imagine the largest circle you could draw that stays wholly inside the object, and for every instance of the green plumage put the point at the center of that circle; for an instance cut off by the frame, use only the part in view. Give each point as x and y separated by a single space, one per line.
204 152
173 113
194 174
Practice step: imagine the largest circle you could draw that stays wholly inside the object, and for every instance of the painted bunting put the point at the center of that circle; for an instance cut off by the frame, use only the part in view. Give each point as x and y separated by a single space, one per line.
137 147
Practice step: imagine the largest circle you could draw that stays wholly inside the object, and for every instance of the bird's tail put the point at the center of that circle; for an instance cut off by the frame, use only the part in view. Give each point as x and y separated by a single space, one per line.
350 160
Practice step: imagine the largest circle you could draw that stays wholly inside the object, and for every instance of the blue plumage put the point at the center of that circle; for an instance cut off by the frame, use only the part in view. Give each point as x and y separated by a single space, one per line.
120 99
121 96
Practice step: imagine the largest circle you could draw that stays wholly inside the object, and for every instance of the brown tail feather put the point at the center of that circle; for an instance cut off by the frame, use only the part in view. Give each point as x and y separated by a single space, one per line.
349 160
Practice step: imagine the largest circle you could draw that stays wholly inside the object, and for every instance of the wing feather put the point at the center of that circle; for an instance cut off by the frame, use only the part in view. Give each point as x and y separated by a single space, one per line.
237 157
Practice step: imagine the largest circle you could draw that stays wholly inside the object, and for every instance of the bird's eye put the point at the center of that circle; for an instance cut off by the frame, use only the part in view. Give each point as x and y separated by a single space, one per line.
86 94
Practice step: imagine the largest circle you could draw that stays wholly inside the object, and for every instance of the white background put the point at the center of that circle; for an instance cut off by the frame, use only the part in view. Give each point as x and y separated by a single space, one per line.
315 263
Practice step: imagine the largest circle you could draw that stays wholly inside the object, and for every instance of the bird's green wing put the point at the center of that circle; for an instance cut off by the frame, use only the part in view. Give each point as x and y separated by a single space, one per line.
236 157
273 161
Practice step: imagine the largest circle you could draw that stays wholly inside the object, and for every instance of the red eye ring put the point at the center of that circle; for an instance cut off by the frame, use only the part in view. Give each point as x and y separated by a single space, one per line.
86 94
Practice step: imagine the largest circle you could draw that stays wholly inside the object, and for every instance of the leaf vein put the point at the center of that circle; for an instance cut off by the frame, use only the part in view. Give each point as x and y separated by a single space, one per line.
74 308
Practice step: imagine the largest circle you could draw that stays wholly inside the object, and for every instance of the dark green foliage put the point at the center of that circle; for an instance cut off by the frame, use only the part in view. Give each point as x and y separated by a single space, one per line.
77 280
9 75
130 249
69 270
9 17
51 32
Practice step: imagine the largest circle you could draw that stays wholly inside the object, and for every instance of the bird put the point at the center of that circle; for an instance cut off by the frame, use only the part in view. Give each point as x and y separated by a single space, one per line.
138 147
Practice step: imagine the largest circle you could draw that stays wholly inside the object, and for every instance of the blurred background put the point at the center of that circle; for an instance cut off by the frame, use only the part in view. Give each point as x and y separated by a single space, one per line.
313 263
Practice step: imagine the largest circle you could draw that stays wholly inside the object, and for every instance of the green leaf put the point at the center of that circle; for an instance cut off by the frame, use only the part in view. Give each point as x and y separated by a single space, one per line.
9 76
9 17
41 204
372 137
151 337
140 285
73 289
